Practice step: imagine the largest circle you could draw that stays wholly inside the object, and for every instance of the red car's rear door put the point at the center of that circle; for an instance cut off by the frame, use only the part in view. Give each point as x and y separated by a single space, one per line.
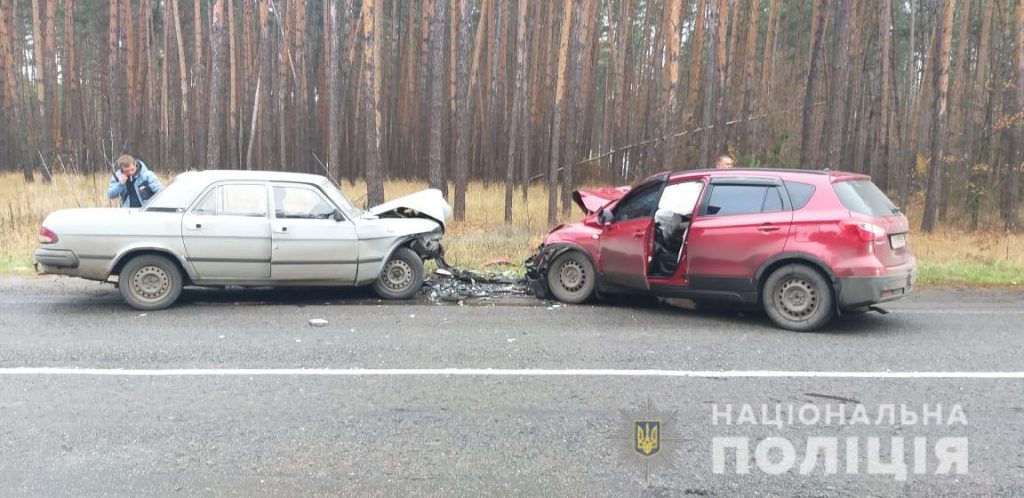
741 224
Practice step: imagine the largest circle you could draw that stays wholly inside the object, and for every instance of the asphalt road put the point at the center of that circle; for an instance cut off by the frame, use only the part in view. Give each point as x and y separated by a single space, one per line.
234 393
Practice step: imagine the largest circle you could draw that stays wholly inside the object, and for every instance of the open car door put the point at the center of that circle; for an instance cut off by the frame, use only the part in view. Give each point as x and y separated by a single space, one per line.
626 235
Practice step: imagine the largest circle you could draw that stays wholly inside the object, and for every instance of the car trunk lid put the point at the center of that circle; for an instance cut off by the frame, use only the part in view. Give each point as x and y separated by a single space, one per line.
873 212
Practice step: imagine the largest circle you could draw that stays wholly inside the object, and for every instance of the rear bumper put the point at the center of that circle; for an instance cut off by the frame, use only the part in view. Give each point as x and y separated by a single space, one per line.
56 259
856 292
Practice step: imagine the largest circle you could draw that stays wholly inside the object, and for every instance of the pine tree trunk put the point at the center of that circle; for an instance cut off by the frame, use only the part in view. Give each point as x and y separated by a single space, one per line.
751 82
234 130
371 102
880 174
435 10
940 85
186 136
807 157
516 125
836 118
1011 216
559 111
215 99
334 89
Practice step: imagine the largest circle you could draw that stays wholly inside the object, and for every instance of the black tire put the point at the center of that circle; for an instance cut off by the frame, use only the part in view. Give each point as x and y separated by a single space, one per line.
799 298
571 278
402 275
150 282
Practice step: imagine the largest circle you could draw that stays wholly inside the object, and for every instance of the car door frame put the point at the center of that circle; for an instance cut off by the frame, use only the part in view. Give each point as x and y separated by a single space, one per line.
614 266
739 284
332 258
207 261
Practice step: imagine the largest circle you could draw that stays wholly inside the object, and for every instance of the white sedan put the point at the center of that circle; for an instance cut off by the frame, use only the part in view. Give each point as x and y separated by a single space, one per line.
217 228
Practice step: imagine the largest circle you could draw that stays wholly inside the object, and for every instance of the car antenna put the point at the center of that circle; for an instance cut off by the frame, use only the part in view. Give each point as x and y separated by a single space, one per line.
326 170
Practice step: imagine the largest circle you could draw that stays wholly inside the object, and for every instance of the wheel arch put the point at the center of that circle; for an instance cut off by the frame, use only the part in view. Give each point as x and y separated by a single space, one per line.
794 258
122 259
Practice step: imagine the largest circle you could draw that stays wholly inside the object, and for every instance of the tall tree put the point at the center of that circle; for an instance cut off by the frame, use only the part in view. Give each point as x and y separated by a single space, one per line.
940 85
334 88
881 167
559 111
835 118
750 80
435 10
806 154
370 13
1011 207
463 115
518 120
215 100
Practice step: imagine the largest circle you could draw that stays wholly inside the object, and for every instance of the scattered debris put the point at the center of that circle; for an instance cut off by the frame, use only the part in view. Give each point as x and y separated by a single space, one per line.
497 261
142 315
318 322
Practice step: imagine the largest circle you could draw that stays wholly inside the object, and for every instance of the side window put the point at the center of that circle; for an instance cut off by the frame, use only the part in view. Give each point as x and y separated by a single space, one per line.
736 199
799 193
638 206
234 200
681 198
299 202
772 201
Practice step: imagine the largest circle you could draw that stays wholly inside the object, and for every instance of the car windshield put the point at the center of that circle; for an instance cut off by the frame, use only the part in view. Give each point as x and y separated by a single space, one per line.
862 196
340 199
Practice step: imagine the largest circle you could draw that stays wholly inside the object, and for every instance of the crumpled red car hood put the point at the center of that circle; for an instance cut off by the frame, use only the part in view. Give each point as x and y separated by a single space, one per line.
592 200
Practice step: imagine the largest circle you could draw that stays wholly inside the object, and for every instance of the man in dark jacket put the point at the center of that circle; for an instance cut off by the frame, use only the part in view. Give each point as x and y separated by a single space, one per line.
133 182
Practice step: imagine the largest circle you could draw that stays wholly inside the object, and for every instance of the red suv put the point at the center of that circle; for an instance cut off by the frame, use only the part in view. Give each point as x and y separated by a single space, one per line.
806 245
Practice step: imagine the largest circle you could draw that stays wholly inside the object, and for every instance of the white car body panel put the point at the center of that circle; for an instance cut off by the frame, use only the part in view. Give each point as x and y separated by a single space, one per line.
222 249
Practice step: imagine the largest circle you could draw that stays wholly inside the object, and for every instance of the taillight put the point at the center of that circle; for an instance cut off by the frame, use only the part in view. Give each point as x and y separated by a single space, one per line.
46 236
867 232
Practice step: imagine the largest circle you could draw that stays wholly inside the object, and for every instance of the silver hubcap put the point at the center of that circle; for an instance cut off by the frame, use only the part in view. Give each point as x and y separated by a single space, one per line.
397 275
796 298
571 276
150 283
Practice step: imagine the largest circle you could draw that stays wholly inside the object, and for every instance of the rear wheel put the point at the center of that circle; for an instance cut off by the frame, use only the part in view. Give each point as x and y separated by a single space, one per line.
571 278
402 275
150 282
797 297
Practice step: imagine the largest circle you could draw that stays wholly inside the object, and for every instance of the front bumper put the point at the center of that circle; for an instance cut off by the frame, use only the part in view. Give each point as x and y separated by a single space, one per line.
855 292
537 269
57 259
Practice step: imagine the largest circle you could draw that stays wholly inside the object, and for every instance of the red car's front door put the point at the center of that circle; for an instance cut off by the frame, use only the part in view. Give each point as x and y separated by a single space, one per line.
625 238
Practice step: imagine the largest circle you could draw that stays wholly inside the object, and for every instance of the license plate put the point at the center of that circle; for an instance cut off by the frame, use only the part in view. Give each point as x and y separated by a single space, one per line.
898 241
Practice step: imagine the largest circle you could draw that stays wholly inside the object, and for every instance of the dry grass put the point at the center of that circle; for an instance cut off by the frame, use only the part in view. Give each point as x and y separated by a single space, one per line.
951 257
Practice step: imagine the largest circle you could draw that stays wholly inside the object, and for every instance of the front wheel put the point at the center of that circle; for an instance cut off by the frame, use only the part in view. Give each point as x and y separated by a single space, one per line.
401 276
150 282
797 297
571 278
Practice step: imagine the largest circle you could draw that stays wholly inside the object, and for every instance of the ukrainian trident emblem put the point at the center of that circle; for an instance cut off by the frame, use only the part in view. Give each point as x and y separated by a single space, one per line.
648 439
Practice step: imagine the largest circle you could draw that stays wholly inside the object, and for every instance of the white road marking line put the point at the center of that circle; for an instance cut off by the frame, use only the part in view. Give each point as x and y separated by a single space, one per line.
496 372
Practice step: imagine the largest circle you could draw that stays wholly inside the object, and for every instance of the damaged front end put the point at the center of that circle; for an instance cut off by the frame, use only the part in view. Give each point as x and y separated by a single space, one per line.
537 268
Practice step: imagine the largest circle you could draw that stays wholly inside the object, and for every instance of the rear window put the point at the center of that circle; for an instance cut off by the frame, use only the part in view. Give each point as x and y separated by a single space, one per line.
862 196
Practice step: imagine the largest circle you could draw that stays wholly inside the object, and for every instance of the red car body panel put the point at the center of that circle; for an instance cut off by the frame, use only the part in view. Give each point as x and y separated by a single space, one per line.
727 257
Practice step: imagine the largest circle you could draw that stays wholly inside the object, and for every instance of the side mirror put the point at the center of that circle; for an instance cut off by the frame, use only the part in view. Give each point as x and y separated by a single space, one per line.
604 217
687 217
338 216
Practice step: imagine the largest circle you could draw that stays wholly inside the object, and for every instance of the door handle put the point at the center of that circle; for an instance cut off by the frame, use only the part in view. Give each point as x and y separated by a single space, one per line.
195 226
768 228
281 229
638 235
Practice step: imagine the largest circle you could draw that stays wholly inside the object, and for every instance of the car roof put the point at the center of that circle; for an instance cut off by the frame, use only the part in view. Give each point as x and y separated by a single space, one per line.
216 175
782 173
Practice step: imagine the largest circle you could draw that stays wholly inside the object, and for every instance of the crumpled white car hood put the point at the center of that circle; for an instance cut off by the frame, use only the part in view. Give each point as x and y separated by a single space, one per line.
428 202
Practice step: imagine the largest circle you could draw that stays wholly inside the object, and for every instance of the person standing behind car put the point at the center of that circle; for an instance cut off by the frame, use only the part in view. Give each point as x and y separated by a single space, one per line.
133 182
